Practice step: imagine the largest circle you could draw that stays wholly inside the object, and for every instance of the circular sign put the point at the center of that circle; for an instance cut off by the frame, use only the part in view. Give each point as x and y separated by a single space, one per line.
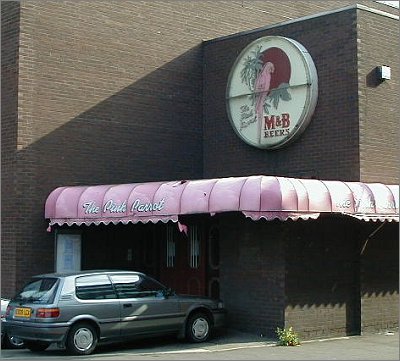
272 92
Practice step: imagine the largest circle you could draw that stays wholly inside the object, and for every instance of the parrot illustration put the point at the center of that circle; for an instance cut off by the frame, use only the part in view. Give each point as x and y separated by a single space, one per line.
261 87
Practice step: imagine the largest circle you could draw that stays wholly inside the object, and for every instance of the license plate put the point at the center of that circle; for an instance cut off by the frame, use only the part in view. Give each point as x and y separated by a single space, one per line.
22 312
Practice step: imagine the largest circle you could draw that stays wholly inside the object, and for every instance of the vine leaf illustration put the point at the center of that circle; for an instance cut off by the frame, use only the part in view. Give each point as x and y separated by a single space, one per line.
276 94
252 66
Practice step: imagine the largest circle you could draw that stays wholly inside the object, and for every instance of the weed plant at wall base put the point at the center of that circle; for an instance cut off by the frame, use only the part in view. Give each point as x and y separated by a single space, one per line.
287 337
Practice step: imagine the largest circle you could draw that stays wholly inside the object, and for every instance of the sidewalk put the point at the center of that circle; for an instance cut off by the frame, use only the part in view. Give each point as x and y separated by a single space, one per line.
233 345
379 346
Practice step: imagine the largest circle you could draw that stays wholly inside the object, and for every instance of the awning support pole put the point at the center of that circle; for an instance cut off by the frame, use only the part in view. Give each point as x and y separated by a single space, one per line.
370 236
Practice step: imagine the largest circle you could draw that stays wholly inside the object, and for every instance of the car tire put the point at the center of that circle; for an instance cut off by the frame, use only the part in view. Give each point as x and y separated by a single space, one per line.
198 327
37 346
82 339
11 342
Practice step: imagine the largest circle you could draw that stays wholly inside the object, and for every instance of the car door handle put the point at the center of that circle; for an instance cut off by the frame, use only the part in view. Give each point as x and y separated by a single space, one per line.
126 305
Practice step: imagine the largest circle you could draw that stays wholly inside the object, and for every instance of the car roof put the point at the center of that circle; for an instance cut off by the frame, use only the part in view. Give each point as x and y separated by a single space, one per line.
85 272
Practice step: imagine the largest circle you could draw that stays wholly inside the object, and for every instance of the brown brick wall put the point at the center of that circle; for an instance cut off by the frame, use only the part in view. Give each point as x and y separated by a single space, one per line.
328 148
380 277
9 114
322 277
109 92
309 275
252 274
333 287
379 101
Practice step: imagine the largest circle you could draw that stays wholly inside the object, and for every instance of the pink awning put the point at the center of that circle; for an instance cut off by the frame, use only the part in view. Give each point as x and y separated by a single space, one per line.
256 197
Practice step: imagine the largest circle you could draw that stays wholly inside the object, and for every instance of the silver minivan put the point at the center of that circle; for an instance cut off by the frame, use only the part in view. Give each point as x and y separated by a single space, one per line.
79 310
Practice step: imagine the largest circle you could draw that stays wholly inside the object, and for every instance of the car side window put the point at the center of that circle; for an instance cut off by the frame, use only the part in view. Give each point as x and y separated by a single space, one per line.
94 287
135 286
127 286
149 285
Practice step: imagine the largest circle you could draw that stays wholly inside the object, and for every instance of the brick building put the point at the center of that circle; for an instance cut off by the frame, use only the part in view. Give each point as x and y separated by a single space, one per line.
121 92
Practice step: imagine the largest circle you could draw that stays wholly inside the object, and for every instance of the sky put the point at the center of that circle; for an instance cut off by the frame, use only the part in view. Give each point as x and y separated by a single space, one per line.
391 3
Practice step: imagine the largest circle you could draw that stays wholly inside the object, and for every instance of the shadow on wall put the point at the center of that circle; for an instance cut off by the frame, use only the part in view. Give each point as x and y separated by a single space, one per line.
325 266
372 79
150 130
331 270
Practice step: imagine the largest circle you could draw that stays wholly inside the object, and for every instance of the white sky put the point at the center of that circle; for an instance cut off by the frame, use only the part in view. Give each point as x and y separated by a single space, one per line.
395 4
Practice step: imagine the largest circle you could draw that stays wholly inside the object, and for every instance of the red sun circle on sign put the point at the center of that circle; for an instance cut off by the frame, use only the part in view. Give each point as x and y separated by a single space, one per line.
281 63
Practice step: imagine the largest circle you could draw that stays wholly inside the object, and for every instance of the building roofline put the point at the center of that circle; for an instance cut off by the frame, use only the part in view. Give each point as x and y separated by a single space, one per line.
308 17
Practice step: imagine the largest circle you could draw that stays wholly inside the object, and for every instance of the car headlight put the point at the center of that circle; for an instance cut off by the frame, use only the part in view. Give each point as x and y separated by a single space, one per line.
220 304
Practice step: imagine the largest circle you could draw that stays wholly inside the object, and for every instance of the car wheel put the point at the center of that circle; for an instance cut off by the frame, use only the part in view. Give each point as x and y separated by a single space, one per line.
198 327
82 339
36 346
13 342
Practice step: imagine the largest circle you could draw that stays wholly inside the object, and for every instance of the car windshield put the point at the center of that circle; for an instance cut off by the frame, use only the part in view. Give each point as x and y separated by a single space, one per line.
40 290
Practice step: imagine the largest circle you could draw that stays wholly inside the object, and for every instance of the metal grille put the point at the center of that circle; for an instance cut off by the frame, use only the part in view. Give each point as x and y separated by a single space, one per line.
194 240
171 249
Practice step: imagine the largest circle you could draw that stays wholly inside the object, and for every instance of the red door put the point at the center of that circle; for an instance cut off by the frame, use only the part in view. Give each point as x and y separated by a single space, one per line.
213 258
183 260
